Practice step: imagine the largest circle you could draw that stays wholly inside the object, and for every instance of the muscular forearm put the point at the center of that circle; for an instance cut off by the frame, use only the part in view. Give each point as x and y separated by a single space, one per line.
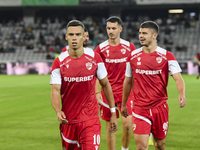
97 86
180 86
55 99
127 86
126 93
56 104
109 95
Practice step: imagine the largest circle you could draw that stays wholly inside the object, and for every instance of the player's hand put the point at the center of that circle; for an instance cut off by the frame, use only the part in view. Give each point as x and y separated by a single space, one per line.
99 99
124 111
113 123
62 117
182 101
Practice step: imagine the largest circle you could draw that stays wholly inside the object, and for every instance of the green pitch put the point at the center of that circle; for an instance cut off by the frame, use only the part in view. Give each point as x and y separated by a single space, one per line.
28 121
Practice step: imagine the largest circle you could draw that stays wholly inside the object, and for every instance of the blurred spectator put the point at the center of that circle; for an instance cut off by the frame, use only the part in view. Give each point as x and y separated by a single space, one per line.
48 56
1 48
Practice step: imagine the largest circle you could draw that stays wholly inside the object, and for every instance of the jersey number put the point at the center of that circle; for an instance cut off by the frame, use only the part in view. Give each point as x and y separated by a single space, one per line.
96 139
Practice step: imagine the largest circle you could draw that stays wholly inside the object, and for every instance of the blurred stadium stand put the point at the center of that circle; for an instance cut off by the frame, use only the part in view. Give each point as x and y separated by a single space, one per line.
30 34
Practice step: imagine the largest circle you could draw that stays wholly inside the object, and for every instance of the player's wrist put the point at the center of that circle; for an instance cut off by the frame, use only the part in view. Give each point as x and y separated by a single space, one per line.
97 93
123 104
112 110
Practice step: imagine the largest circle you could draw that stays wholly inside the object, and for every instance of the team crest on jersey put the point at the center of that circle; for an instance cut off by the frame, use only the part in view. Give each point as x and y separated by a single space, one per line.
123 51
159 59
89 65
101 112
165 127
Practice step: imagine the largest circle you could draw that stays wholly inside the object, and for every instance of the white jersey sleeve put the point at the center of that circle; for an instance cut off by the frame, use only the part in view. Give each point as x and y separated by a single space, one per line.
128 72
101 71
55 77
173 67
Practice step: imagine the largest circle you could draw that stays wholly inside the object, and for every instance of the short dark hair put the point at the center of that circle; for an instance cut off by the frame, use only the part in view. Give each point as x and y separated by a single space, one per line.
150 24
75 23
114 19
85 30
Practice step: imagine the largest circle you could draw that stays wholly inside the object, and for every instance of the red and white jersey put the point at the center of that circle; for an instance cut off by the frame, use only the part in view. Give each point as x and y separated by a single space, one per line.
67 47
150 72
77 77
115 58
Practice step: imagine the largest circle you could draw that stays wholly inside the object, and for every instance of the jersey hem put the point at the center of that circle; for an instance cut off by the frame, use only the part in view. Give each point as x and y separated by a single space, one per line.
75 122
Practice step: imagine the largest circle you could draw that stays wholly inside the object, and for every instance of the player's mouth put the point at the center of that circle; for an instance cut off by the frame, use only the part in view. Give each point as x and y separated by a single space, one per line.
85 42
74 43
111 35
142 40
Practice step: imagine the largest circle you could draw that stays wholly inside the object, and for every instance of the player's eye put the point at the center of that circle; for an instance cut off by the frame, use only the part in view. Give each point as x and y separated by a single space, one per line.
70 34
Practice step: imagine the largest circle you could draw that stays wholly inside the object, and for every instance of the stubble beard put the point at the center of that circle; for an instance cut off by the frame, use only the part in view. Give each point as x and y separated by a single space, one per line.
85 45
146 45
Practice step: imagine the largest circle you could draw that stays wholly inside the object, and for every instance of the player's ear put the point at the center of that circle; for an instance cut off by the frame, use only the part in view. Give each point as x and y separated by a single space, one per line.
155 35
120 28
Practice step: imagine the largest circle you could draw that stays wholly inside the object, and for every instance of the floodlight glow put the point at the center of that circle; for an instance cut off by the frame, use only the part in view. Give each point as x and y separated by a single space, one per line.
175 11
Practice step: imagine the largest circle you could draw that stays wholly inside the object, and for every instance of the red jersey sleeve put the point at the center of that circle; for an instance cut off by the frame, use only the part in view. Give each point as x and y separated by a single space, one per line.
64 49
132 47
97 49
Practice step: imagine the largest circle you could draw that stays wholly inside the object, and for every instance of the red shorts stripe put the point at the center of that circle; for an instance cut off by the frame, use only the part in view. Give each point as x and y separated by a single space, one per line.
141 117
81 136
153 120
